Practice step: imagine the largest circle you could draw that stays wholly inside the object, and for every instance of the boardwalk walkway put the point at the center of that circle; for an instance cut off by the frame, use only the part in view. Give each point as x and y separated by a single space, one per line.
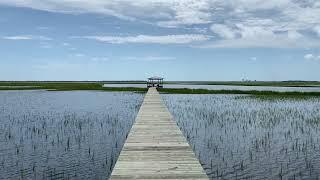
156 148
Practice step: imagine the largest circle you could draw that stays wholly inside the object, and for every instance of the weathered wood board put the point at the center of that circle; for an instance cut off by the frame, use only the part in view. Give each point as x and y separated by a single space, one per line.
155 147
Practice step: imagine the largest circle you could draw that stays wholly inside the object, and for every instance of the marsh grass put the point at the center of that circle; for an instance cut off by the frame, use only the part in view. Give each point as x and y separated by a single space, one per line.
98 86
277 97
252 83
63 135
239 137
64 86
249 92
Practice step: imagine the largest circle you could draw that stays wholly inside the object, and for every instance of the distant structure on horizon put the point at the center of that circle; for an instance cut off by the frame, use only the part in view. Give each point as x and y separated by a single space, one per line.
155 82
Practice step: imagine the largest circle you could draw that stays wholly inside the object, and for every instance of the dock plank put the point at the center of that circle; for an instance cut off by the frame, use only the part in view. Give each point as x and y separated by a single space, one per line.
155 147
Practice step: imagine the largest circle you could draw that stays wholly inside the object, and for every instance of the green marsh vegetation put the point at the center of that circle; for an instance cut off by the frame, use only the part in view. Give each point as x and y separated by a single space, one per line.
252 83
244 137
98 86
256 93
63 86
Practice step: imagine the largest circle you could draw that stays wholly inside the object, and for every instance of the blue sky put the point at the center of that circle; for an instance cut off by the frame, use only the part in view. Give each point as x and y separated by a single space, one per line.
176 39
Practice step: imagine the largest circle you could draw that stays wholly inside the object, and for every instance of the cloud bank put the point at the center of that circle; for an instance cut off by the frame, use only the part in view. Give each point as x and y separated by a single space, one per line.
311 57
168 39
27 37
236 23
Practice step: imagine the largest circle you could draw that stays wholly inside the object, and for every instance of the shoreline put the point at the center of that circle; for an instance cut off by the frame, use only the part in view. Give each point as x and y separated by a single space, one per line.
72 86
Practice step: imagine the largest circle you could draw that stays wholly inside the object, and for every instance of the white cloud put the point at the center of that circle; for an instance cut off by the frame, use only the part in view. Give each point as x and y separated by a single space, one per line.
223 31
57 66
294 35
150 58
174 12
308 56
27 37
46 46
65 44
253 58
254 32
246 21
17 38
78 55
99 59
311 57
168 39
42 28
250 35
272 41
184 12
317 29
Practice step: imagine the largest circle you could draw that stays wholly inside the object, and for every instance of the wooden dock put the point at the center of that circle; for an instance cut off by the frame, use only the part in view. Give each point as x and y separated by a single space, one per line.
155 147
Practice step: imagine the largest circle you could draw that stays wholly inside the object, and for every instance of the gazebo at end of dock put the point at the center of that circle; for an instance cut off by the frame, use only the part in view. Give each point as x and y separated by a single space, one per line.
155 82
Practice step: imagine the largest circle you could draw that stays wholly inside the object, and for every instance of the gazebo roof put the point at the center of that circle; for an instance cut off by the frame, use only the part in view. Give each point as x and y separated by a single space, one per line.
155 78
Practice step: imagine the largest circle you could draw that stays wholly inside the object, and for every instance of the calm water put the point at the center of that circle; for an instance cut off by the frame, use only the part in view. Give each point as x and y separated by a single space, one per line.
63 135
240 137
223 87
